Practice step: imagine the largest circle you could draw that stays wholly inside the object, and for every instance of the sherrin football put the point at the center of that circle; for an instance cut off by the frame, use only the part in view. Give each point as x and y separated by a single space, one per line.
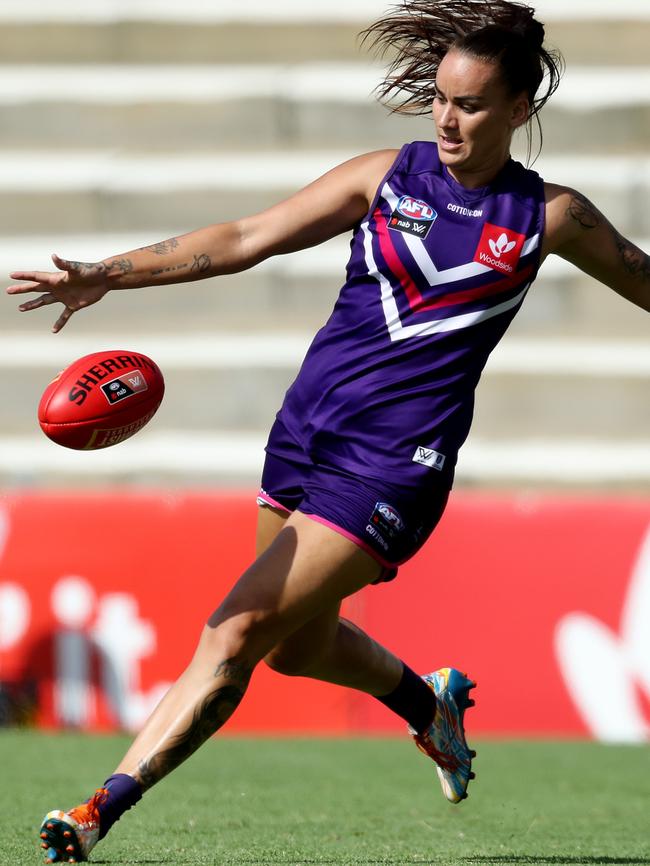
101 399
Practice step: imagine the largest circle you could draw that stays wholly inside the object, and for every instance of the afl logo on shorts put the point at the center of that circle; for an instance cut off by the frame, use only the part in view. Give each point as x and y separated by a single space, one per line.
386 518
412 216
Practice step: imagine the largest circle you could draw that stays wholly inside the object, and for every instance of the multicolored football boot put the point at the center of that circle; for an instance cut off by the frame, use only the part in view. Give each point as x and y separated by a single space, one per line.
69 837
444 740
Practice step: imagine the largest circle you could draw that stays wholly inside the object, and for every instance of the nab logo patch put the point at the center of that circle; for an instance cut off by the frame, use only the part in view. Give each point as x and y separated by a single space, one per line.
124 386
499 248
412 216
429 457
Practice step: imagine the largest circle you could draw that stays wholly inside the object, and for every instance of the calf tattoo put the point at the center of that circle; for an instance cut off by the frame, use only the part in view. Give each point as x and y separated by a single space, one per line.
208 716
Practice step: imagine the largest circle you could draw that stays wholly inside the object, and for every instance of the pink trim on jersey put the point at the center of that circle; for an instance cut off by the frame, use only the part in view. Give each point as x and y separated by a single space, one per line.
358 541
480 292
394 262
415 300
263 497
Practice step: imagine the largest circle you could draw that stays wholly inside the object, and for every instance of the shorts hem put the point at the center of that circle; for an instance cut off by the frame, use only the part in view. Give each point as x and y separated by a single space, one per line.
353 538
263 498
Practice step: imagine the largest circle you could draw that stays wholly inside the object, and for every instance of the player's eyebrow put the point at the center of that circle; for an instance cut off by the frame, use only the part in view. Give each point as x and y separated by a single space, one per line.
468 98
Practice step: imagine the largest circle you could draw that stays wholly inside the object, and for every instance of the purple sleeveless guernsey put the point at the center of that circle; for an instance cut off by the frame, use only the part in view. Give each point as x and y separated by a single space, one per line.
436 275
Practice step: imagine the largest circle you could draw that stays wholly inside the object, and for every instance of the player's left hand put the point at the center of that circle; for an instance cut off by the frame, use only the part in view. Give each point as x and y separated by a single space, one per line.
75 285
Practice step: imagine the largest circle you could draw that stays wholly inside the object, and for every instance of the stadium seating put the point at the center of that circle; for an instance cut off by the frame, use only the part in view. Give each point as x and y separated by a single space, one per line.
117 132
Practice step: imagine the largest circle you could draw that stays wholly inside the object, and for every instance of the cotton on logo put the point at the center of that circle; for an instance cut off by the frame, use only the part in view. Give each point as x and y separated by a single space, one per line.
606 672
499 248
501 245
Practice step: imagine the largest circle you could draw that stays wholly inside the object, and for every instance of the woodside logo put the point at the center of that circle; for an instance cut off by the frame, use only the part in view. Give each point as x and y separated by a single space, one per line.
499 248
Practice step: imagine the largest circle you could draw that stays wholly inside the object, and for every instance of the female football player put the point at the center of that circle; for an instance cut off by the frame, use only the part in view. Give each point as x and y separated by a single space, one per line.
447 238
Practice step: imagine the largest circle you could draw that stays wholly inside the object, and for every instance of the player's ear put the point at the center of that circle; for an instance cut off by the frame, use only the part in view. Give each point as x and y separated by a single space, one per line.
520 111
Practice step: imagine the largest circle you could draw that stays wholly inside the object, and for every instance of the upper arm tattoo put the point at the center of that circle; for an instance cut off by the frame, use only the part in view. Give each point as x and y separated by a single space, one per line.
635 261
583 211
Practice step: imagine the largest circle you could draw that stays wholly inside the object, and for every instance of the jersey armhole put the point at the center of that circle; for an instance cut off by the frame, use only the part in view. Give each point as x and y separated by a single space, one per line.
398 159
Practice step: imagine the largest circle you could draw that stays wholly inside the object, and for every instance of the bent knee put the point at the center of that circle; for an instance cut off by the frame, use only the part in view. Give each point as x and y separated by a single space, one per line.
236 637
290 664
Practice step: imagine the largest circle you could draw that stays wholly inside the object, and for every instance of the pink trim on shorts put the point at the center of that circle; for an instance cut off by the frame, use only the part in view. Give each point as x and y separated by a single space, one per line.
263 498
358 541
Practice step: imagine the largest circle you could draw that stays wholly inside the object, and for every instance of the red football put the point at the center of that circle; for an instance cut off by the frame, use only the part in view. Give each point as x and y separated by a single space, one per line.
101 399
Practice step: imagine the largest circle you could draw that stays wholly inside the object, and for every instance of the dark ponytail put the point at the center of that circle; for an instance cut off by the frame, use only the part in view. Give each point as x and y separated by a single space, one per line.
419 33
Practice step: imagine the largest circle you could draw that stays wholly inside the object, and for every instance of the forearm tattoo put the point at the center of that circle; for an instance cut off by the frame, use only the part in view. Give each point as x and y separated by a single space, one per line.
124 266
170 270
201 264
582 211
163 247
207 718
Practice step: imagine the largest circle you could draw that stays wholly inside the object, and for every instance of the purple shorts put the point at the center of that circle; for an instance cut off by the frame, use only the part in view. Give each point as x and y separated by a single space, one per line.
389 521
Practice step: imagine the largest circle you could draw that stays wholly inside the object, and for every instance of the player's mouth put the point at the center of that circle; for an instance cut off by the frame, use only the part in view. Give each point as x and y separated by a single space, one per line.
449 143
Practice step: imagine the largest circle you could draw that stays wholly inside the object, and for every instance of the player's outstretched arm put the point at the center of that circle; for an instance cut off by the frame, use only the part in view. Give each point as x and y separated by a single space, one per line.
331 205
578 232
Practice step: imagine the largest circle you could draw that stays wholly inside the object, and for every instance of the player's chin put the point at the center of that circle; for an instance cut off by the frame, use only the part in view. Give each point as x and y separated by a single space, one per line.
456 156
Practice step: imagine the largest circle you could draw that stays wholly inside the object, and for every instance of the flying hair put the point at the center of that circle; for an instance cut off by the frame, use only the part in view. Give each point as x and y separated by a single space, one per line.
417 34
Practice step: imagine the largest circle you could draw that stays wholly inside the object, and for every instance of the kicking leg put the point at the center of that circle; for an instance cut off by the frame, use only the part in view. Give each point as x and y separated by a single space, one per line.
306 570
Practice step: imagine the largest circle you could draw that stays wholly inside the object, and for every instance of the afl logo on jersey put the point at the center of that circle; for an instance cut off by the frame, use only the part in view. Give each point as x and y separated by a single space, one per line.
413 207
412 216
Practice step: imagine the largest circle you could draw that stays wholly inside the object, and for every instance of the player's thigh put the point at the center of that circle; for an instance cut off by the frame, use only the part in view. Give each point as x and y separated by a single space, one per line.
297 652
270 521
308 642
305 573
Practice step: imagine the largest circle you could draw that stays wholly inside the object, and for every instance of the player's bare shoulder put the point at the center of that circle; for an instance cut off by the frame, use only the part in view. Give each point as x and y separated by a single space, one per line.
568 213
371 168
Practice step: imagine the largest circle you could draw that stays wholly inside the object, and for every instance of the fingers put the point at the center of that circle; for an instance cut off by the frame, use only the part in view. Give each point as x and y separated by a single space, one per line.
35 303
61 321
35 280
64 264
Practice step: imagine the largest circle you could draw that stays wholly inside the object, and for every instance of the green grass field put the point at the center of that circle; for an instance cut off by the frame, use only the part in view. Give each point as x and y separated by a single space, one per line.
360 801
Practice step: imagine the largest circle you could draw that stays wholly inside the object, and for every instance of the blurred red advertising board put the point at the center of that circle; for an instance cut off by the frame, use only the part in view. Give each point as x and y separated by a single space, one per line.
544 600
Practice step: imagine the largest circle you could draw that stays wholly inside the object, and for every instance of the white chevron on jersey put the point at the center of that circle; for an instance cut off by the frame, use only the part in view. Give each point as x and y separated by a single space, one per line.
423 260
398 331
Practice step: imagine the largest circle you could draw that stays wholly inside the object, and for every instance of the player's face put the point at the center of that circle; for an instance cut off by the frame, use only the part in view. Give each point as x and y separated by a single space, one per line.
475 118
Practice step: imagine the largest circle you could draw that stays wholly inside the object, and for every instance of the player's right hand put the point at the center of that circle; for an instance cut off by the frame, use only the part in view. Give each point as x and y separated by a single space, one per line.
75 285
